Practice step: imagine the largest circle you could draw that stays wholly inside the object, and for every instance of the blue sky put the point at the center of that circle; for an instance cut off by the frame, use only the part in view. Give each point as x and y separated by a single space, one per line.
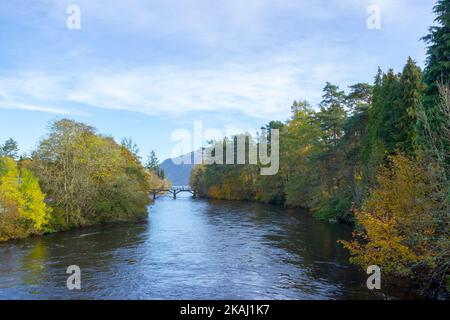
143 68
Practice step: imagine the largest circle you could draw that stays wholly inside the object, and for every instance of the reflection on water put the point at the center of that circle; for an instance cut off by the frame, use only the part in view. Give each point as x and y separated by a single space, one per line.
190 249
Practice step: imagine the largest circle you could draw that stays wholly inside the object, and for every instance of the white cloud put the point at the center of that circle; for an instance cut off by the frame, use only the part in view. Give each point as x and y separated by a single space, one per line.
247 70
261 85
32 107
33 92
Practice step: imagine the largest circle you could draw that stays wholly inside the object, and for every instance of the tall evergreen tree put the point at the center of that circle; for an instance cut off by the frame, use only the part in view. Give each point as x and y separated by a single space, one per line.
380 139
438 60
152 163
332 114
412 91
437 71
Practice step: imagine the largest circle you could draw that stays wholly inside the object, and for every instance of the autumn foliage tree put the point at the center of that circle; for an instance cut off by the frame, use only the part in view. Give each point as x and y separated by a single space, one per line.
22 207
396 219
88 177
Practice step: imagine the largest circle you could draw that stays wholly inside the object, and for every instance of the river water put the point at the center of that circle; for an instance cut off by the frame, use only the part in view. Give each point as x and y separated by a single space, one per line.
190 249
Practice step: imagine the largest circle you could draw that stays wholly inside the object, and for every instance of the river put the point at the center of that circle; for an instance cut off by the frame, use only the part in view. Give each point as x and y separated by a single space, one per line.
190 249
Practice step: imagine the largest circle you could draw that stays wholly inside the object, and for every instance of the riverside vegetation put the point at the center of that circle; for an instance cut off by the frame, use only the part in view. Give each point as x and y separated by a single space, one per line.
377 157
76 177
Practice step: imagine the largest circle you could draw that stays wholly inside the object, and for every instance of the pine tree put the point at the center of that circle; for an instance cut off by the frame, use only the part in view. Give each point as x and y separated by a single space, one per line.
9 149
152 163
437 71
382 121
359 97
411 96
332 114
438 61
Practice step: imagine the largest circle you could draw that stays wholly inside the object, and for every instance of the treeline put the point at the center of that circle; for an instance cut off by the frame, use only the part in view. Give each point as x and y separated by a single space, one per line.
330 155
377 157
75 177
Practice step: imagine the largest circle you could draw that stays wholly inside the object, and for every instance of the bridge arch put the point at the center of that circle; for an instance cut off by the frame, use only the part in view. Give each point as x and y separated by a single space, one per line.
173 190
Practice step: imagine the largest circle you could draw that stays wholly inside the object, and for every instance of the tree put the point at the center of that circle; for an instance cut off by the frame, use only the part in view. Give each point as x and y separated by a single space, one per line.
300 145
331 118
403 224
89 177
152 163
380 140
360 96
392 118
10 149
350 193
406 115
437 70
332 114
437 138
438 61
22 207
396 220
299 106
34 208
62 164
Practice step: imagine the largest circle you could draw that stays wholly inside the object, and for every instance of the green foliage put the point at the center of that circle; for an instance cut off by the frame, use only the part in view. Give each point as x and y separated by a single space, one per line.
412 89
89 177
392 118
152 162
152 165
437 70
438 55
315 146
9 149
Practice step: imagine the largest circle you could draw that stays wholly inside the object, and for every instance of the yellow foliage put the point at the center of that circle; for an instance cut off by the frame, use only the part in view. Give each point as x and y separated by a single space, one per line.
396 219
214 192
22 206
33 207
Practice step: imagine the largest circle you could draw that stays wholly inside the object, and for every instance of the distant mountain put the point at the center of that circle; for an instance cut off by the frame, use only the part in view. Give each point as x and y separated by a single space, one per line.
177 170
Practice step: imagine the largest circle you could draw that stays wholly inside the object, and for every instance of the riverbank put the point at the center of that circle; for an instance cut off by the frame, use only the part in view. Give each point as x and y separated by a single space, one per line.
192 249
103 224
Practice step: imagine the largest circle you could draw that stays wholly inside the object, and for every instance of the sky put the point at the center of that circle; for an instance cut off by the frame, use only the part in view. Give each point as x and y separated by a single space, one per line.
145 68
